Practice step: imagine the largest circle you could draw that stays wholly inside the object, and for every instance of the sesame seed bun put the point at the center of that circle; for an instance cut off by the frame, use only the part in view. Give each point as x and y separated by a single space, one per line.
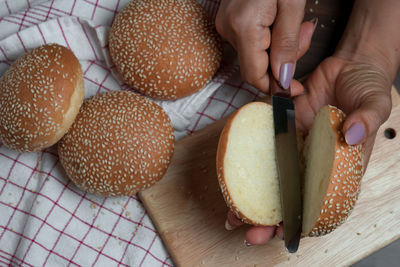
120 143
247 171
165 49
40 96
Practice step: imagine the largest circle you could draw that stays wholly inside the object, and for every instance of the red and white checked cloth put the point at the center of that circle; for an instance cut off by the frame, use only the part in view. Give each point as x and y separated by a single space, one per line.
44 219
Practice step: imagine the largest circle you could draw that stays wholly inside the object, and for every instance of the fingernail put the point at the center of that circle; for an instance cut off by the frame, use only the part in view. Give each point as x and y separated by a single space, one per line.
355 133
315 22
286 75
248 244
228 226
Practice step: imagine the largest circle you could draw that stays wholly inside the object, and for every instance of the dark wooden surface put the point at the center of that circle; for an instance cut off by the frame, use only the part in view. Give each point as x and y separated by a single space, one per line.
332 18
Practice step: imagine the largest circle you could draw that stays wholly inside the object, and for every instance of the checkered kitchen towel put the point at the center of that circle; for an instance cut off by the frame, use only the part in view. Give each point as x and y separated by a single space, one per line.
44 219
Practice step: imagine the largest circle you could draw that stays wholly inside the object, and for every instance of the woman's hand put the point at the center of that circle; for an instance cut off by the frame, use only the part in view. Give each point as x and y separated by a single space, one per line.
357 79
246 25
358 87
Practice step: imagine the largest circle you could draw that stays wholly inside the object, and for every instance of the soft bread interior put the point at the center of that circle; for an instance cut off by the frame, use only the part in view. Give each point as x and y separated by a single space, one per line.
319 164
250 170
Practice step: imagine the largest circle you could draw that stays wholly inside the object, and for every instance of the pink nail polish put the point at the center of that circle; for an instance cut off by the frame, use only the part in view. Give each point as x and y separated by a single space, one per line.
315 22
248 244
286 75
355 133
228 226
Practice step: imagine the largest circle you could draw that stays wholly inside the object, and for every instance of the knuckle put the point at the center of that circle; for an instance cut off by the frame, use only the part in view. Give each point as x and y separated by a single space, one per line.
295 4
298 3
252 79
239 23
287 42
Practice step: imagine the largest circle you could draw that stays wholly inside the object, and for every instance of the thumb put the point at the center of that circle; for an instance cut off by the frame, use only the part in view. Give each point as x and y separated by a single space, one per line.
364 122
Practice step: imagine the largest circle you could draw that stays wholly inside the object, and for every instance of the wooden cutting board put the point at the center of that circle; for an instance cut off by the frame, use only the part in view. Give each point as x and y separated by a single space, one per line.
189 212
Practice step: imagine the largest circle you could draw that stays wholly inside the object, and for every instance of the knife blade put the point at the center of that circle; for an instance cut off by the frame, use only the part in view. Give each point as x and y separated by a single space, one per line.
288 167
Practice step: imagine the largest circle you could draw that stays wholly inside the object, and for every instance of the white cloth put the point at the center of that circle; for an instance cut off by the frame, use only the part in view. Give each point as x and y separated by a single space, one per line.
44 219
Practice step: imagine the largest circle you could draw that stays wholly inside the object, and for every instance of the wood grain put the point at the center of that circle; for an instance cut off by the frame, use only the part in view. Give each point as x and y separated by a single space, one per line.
189 212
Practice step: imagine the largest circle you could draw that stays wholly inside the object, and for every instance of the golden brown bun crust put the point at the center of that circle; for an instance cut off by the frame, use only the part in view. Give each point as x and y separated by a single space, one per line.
120 143
345 180
165 49
221 151
40 95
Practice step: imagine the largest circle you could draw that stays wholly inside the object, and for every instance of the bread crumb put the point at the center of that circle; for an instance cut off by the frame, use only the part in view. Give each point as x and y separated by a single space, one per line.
93 206
322 25
311 10
374 225
100 247
316 2
358 233
326 251
128 213
37 202
237 258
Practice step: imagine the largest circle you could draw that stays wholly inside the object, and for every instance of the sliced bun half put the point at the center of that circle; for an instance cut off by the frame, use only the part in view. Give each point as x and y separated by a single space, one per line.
332 176
246 166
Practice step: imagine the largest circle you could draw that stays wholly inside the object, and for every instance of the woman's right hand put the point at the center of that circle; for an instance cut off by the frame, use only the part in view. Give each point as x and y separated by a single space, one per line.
246 25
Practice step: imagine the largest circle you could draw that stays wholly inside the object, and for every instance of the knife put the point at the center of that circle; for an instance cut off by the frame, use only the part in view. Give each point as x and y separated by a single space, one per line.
288 164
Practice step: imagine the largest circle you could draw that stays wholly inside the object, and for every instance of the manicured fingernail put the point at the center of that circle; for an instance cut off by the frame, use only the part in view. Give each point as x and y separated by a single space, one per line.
355 133
315 22
286 75
248 244
228 226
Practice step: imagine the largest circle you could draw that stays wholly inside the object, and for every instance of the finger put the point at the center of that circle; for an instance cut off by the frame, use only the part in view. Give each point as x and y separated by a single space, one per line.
252 39
307 30
253 60
365 121
296 88
279 231
232 221
259 235
285 39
